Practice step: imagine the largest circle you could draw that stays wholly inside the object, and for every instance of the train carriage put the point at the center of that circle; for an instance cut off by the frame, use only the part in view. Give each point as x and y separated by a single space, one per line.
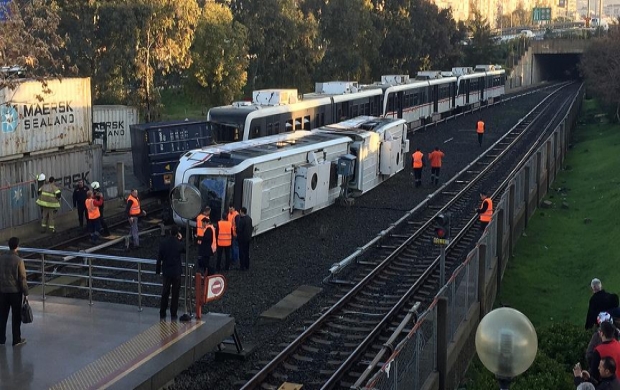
283 177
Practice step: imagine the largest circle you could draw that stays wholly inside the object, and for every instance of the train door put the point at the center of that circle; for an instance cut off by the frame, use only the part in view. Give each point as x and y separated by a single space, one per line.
436 99
482 82
215 192
467 82
453 94
399 103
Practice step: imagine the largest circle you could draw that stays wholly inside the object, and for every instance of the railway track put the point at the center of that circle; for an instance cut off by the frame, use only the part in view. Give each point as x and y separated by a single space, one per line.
403 272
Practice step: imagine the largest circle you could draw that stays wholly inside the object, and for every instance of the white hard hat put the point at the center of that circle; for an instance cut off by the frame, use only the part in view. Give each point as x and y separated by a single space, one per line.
95 185
41 177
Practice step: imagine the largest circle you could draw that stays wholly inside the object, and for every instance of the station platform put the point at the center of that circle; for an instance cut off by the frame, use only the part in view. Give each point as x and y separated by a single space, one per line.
71 345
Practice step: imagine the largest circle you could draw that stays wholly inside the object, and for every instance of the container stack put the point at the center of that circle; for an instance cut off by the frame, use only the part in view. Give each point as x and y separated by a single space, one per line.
111 125
44 130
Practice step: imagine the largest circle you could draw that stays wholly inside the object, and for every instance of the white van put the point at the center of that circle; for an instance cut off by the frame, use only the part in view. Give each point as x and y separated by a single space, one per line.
528 33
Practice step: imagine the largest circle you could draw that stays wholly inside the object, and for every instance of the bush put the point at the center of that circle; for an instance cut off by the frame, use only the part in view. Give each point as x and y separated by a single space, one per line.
565 343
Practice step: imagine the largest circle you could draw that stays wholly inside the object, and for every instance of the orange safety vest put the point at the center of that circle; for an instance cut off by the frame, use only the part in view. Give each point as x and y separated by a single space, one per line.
435 158
480 127
201 222
135 206
486 216
93 211
231 219
213 242
417 159
224 236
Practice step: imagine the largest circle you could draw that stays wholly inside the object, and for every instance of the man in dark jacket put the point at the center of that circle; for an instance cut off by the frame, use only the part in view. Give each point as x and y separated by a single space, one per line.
244 235
79 197
12 286
206 248
606 369
600 301
169 264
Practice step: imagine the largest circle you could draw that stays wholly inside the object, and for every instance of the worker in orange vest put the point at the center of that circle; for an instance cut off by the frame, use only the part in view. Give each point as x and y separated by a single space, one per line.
133 211
435 159
417 163
480 130
485 211
94 216
207 247
201 223
224 241
233 217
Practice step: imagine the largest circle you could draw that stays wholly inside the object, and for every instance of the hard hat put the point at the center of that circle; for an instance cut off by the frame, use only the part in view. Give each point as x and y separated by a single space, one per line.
95 185
41 177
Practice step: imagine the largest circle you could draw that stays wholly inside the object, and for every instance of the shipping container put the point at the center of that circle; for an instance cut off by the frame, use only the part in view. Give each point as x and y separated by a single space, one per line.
111 126
157 147
18 187
34 120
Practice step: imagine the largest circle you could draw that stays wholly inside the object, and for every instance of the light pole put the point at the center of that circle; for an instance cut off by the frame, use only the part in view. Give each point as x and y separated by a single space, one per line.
506 343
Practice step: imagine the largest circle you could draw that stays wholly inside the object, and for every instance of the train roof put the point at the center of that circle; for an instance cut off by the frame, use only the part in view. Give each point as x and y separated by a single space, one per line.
154 125
419 83
260 149
361 126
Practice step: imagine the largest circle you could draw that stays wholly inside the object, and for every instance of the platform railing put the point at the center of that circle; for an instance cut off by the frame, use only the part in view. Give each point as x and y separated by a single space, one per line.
92 275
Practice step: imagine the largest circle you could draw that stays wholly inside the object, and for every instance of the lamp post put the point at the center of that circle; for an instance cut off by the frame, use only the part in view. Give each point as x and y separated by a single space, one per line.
506 343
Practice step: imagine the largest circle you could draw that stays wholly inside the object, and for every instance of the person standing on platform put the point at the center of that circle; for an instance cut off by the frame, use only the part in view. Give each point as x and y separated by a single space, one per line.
207 247
201 223
98 195
13 290
170 266
435 158
94 216
480 130
417 163
79 199
244 235
49 201
224 242
233 217
485 211
133 212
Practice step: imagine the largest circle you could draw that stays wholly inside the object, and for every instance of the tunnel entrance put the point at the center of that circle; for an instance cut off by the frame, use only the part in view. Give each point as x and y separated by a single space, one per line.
554 67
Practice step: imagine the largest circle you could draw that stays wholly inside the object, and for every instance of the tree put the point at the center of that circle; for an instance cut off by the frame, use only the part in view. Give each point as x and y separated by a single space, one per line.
165 32
30 40
482 50
600 64
349 47
219 57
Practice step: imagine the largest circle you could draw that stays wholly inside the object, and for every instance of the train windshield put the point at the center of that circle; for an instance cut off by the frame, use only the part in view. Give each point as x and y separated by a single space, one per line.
216 192
226 132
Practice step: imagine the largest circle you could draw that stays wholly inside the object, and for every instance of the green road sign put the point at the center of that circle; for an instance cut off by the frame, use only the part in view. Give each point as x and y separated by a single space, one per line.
541 14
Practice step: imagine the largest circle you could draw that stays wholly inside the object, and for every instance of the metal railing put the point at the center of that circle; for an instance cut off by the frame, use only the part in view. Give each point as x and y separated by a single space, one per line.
91 274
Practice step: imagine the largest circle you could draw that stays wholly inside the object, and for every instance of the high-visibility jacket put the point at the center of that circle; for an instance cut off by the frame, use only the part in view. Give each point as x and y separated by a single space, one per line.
435 158
231 219
486 216
224 233
48 196
135 209
480 127
417 159
213 241
610 349
201 225
93 211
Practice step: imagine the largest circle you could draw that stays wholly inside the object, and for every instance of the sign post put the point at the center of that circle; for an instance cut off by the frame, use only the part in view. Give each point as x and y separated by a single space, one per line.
186 202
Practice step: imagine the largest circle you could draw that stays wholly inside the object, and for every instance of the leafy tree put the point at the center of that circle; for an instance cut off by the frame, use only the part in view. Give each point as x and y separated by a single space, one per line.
219 57
165 32
349 47
482 50
600 64
521 16
30 39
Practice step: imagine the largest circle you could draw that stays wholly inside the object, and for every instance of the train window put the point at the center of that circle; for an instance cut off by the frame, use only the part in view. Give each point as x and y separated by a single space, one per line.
255 132
276 128
270 129
391 103
215 192
322 119
416 99
297 124
339 112
306 122
367 109
372 108
289 125
354 111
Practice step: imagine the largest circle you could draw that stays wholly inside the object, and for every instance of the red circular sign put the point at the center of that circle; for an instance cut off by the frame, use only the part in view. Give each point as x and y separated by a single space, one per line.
217 286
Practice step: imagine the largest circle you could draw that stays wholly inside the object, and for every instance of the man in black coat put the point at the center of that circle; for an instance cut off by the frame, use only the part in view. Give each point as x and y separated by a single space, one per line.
600 301
169 264
79 199
244 236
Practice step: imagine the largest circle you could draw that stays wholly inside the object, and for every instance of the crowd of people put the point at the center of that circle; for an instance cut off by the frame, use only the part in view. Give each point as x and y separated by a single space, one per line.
603 351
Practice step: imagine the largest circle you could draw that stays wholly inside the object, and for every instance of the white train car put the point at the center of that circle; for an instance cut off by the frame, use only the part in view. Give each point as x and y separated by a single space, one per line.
485 84
283 177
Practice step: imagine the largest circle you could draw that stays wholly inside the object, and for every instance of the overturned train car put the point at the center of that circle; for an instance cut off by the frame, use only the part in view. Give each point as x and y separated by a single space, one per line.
283 177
